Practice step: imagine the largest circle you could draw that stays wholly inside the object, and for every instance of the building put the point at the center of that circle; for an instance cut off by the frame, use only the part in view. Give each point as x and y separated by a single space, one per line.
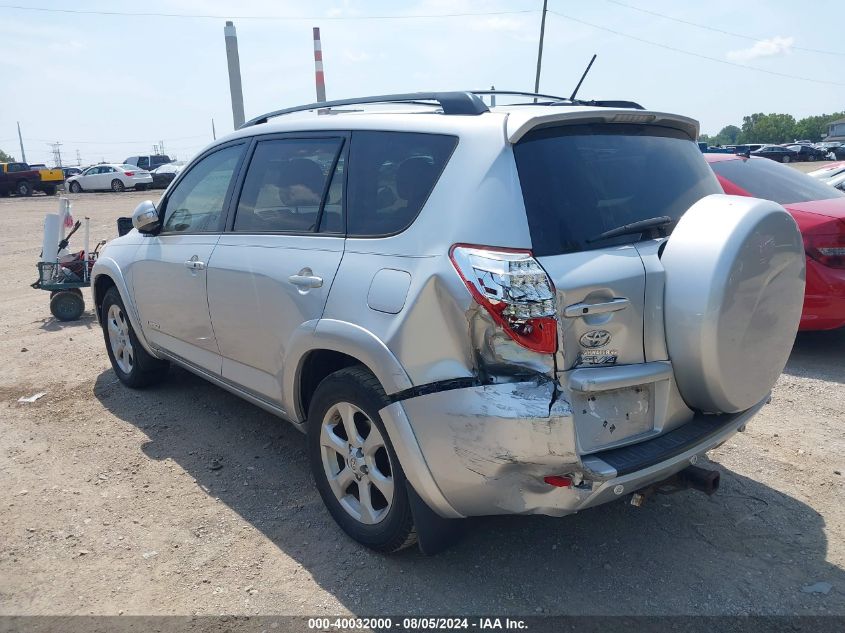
836 131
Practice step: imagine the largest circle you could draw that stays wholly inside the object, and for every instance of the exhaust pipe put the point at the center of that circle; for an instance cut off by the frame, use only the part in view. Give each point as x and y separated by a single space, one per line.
701 479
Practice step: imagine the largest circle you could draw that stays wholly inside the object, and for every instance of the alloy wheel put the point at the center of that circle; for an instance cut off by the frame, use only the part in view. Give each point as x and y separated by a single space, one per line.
121 343
356 463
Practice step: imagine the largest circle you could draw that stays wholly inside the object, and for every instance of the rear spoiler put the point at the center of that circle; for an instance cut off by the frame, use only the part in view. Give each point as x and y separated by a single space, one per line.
521 122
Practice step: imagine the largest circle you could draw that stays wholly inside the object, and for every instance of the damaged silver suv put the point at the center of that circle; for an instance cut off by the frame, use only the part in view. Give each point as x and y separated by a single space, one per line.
470 310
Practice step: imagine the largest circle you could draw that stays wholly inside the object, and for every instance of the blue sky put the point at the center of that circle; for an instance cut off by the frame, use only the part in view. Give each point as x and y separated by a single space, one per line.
112 86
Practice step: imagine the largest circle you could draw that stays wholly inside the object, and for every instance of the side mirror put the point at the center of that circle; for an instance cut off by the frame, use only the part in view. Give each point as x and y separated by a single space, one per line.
145 217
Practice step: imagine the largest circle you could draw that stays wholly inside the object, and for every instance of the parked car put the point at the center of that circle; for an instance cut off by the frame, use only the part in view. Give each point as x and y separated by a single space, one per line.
164 175
776 153
23 179
807 152
70 171
149 161
512 357
837 181
819 210
109 176
830 170
828 146
838 152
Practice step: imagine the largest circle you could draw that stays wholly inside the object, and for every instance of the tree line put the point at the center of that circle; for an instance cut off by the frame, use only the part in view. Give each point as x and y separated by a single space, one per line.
773 128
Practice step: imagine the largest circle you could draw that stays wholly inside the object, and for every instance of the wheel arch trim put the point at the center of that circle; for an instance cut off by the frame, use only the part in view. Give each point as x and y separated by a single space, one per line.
107 267
346 338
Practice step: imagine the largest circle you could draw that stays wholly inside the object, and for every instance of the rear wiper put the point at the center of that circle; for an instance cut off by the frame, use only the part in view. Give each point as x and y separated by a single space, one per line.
639 226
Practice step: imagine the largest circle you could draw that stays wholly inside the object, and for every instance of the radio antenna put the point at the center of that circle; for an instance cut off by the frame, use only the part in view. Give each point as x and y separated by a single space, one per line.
580 81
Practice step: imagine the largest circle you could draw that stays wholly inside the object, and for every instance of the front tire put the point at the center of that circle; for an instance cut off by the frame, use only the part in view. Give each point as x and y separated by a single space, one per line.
130 361
75 187
117 186
24 188
353 462
786 159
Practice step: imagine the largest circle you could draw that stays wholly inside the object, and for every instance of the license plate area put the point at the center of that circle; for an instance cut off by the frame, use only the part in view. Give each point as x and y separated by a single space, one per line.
604 419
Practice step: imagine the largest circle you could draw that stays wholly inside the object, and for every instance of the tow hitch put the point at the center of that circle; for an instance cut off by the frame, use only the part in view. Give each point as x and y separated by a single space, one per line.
701 479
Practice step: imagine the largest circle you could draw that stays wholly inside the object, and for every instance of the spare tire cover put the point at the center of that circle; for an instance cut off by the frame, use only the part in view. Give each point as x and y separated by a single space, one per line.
735 274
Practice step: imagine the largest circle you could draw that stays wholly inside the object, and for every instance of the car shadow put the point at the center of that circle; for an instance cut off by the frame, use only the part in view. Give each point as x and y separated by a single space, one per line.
748 549
51 324
818 355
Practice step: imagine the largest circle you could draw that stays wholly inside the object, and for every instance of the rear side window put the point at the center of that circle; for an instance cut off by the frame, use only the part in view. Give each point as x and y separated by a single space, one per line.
391 175
582 180
763 178
286 184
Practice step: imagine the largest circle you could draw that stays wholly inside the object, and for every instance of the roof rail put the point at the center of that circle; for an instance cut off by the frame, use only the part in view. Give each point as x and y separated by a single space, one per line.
451 102
517 93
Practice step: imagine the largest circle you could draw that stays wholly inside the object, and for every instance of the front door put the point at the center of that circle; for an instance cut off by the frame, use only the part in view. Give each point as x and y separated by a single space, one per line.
169 275
272 271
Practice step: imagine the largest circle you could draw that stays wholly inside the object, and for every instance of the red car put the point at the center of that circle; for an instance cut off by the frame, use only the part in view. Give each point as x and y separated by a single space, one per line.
819 210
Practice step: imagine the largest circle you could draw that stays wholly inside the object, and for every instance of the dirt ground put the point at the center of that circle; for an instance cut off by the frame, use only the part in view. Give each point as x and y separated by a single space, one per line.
109 503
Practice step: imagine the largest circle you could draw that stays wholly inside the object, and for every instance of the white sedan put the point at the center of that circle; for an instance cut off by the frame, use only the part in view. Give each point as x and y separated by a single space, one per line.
115 177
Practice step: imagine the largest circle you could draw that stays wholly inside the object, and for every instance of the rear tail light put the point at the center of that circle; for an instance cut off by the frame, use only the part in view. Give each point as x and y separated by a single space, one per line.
129 173
826 244
512 286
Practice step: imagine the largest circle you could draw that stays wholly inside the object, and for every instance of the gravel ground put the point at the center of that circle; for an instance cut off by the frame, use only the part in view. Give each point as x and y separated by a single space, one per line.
184 499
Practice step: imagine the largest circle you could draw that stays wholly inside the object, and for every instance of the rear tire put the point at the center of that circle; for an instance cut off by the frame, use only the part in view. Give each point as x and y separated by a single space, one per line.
75 187
67 305
23 188
786 159
50 190
117 186
130 361
367 495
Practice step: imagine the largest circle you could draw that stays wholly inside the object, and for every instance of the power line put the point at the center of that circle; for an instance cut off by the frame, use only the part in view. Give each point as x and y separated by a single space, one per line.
716 30
692 54
260 17
142 142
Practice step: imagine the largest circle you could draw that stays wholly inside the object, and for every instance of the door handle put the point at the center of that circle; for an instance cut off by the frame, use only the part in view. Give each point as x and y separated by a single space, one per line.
583 309
193 264
306 280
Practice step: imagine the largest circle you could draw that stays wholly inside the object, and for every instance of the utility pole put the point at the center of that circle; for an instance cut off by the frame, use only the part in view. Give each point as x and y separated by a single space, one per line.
57 153
20 138
540 50
234 61
161 147
78 159
319 77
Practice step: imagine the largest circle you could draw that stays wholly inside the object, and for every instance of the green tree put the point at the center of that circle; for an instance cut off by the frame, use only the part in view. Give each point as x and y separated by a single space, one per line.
767 128
728 135
813 127
6 158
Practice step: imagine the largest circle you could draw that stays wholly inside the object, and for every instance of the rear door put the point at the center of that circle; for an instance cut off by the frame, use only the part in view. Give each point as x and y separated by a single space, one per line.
272 270
579 182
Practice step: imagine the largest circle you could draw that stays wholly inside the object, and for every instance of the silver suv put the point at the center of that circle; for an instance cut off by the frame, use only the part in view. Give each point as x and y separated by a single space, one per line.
470 310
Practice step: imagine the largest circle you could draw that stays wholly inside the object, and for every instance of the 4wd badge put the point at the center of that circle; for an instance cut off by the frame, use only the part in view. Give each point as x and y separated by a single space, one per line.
595 338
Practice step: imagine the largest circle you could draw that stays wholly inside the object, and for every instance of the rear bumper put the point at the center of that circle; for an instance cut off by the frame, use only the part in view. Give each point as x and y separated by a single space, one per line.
485 450
824 298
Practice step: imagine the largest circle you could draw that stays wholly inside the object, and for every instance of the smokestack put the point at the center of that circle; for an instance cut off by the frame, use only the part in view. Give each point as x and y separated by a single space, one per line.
234 74
318 66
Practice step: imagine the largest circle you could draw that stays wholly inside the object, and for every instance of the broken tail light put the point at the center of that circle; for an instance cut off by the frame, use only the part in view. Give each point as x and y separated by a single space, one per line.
826 244
512 286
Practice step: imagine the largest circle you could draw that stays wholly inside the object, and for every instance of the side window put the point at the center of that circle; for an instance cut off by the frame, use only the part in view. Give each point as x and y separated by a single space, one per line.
391 176
143 162
285 185
196 204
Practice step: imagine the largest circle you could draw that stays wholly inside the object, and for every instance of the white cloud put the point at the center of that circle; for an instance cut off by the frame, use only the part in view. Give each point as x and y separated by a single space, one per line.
764 48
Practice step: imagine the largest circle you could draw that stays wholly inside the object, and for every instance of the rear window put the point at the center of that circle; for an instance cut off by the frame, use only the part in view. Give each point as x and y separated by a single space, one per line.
763 178
391 175
582 180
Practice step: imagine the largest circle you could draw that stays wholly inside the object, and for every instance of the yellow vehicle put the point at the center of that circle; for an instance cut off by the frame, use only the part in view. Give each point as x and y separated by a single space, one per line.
21 179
